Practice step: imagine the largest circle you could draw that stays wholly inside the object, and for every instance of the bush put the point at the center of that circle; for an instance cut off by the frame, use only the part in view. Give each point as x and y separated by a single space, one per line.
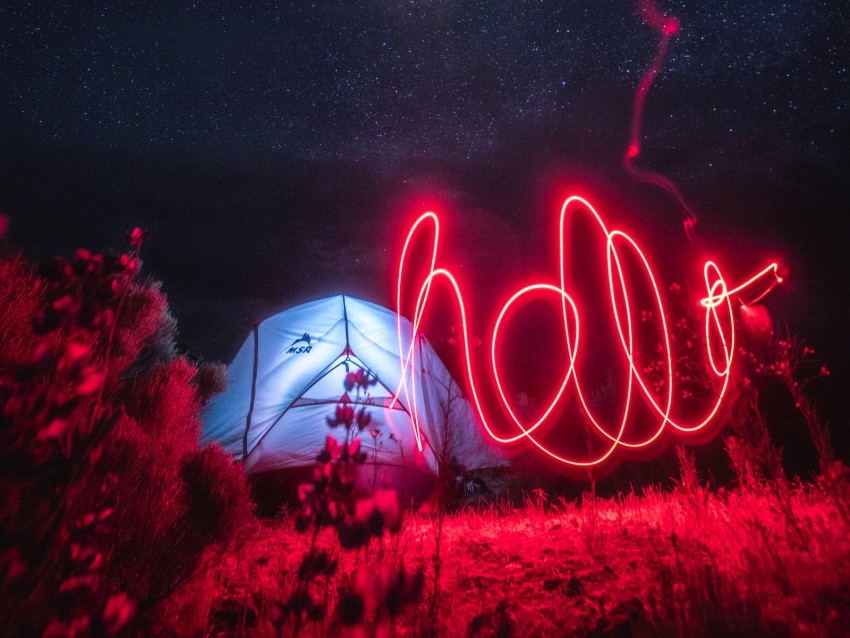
110 503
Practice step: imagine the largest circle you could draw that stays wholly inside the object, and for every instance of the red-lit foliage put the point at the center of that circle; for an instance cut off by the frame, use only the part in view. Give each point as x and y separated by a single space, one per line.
181 497
20 296
109 502
759 561
358 520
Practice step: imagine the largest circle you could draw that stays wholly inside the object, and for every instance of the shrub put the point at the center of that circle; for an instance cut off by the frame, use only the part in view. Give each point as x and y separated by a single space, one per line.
109 502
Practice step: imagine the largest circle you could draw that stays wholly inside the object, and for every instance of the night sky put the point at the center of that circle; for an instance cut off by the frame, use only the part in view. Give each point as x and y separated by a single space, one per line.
274 150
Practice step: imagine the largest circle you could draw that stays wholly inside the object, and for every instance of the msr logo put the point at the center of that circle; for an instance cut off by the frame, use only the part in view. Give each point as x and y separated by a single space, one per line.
296 349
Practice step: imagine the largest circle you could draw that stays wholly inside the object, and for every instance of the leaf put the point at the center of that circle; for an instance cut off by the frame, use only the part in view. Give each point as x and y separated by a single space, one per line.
75 583
56 629
90 383
74 353
63 304
332 446
54 430
118 612
354 447
363 418
305 490
136 236
106 513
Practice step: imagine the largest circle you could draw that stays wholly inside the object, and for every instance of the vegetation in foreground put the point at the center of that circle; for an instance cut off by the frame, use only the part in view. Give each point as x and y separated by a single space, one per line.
767 560
108 502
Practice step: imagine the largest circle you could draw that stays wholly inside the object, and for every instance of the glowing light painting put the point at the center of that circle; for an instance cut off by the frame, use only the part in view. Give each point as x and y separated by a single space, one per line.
719 328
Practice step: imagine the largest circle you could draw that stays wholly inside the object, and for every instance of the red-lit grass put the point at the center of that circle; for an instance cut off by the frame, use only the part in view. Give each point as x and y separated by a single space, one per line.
20 296
768 561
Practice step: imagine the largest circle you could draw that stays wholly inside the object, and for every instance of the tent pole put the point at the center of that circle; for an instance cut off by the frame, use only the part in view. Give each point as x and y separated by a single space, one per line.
256 332
345 318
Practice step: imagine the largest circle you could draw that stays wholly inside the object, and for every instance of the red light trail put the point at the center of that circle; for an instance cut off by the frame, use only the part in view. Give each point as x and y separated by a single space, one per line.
667 27
720 338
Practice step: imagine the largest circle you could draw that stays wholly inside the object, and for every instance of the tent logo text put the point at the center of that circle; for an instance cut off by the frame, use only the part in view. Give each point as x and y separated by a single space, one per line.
296 349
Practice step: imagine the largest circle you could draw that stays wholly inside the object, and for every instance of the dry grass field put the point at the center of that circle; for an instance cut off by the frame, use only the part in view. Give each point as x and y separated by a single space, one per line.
772 560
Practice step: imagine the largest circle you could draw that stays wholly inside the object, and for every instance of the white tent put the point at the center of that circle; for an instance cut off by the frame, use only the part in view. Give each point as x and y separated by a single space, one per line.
288 378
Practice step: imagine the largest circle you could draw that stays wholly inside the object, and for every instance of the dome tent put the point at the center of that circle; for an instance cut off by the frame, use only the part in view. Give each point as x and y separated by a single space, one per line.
288 377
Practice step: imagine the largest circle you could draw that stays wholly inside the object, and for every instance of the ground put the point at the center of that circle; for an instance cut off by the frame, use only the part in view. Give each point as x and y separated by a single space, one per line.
769 559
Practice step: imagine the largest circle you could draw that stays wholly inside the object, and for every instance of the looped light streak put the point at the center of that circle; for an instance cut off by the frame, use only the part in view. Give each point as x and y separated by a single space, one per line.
719 344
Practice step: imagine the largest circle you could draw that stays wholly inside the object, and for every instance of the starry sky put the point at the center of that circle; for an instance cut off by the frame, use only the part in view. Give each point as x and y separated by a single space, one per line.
273 150
382 81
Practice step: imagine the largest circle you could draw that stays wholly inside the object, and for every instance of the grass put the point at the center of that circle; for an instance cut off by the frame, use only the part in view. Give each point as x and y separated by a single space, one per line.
772 561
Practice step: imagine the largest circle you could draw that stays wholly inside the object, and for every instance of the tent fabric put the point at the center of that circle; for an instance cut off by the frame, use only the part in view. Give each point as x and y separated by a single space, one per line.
287 379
